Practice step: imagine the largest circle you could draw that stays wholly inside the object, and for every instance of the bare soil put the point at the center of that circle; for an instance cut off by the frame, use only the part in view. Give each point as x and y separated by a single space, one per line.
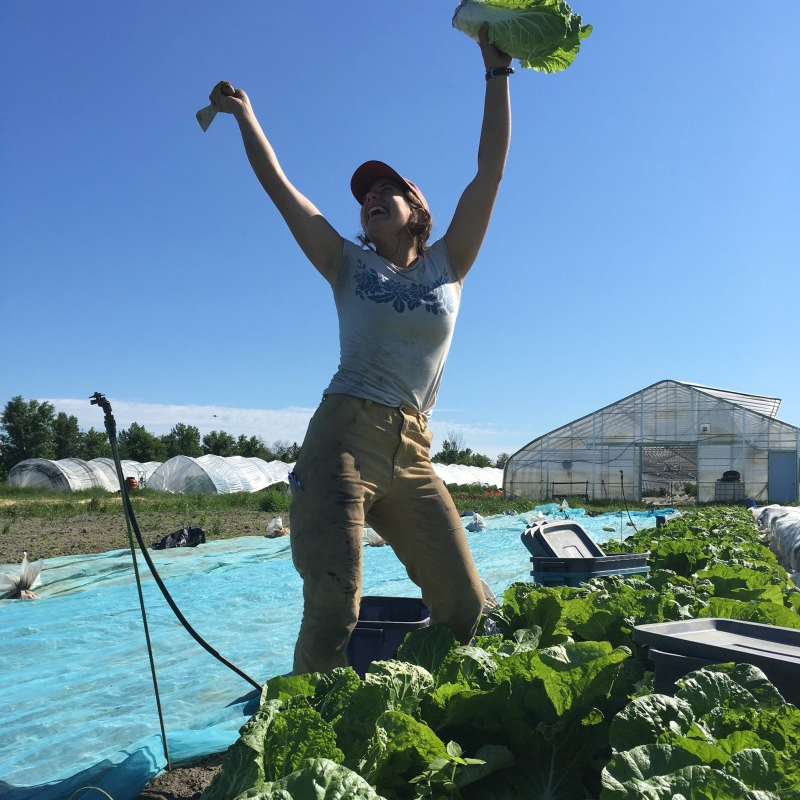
184 783
98 533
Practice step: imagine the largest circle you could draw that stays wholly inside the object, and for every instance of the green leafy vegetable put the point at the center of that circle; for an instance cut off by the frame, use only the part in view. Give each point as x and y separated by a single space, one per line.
295 735
319 779
726 734
542 34
401 748
244 762
542 710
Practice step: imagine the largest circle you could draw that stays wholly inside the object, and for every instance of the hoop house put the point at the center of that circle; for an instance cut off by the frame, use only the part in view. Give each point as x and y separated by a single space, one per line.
130 469
212 474
74 474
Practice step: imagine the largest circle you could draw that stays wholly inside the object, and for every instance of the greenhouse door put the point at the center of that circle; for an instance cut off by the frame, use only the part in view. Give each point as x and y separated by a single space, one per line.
782 477
668 470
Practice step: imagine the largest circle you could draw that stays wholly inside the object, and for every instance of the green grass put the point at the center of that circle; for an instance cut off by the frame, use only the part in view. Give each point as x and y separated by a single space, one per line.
16 503
49 504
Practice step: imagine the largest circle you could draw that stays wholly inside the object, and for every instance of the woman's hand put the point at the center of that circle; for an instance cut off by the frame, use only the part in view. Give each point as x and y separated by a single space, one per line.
227 100
492 57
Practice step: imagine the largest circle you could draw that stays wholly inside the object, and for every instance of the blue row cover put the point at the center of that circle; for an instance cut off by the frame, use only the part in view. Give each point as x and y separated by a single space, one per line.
76 692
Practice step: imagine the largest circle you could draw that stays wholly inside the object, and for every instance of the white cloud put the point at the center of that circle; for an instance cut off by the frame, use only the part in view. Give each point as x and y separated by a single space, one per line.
271 425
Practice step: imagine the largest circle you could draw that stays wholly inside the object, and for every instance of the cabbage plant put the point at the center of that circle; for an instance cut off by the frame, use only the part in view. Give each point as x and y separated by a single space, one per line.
544 35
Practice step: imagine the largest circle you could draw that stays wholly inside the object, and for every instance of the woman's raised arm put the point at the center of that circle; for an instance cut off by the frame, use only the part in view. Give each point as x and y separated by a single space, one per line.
316 237
470 222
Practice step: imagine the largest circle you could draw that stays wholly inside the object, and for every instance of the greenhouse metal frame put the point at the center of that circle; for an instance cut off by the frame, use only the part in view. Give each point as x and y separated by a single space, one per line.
671 437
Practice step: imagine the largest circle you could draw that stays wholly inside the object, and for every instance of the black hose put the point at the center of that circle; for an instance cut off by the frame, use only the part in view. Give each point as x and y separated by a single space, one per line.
100 400
110 427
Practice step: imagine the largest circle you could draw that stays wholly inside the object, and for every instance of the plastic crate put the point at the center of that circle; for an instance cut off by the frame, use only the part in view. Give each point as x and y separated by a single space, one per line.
560 540
551 578
675 647
671 667
383 623
616 561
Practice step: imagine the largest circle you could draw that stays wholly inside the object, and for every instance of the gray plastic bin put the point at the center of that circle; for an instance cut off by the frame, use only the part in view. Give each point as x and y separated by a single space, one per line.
564 554
560 540
675 645
616 561
570 578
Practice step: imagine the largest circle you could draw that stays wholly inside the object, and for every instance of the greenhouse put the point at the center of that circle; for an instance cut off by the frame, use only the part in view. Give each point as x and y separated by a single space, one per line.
217 474
207 474
667 439
73 474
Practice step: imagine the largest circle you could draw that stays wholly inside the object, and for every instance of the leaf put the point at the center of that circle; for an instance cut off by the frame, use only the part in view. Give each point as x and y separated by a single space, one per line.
740 746
491 758
317 779
692 783
403 685
469 665
767 613
427 647
652 719
542 34
243 767
751 678
756 768
526 606
401 749
283 687
294 736
707 690
567 677
738 582
643 762
334 693
355 727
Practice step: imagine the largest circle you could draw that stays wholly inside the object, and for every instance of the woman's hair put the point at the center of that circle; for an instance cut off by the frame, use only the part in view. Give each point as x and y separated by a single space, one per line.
419 225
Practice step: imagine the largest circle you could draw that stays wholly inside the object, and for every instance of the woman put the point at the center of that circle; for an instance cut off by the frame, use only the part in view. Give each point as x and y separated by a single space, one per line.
365 458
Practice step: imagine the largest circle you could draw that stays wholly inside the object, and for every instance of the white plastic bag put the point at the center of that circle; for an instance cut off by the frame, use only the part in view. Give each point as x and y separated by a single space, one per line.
478 523
21 586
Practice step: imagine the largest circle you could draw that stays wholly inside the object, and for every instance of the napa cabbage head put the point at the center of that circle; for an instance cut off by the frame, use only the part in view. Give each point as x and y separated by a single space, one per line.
544 35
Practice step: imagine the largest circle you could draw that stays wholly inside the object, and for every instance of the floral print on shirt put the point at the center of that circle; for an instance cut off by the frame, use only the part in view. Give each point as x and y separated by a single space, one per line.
371 285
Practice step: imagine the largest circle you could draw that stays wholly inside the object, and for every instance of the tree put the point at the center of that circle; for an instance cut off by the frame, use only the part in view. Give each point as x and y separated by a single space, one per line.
283 451
138 444
454 452
95 444
253 447
26 431
66 437
183 440
501 460
447 455
219 443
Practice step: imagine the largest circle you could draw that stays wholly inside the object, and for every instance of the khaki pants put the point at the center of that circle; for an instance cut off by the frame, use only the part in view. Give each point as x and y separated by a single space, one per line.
366 462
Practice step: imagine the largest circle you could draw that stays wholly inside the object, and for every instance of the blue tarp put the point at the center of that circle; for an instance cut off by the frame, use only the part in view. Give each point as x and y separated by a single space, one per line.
76 692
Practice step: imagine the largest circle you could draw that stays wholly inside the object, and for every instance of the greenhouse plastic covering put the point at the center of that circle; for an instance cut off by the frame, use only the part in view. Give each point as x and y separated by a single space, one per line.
207 474
662 437
76 693
73 474
782 526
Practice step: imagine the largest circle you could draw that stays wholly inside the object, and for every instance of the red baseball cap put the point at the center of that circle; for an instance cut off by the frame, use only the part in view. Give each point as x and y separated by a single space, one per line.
371 171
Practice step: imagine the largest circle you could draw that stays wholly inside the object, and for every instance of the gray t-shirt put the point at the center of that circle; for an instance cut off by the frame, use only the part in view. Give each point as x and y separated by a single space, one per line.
395 326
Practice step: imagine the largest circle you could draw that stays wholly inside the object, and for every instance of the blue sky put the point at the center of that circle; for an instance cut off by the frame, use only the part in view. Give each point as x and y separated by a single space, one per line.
648 225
